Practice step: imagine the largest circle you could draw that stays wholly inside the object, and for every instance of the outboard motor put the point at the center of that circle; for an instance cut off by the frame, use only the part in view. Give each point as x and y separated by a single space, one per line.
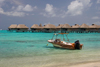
77 44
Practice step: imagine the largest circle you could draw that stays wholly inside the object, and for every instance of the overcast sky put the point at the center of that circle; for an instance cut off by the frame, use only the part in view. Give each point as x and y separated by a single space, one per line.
55 12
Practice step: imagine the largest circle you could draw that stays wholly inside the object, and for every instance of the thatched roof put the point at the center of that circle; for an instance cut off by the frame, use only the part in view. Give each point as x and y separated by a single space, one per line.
66 26
13 26
94 26
35 26
76 26
59 26
49 26
40 25
84 26
22 26
98 26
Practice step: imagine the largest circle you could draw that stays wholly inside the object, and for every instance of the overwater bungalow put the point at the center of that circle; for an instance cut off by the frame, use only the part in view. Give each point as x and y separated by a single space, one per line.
49 28
66 28
58 28
75 28
94 28
22 28
41 28
36 28
12 27
84 28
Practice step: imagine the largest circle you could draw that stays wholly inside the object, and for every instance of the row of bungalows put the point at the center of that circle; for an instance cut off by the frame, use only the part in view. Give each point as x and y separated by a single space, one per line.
66 28
46 28
83 28
18 28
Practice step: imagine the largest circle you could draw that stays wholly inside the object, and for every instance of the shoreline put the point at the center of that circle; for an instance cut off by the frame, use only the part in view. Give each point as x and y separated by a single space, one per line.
38 62
87 64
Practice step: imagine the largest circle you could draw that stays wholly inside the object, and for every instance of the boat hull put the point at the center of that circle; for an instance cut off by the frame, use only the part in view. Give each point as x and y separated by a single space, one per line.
65 45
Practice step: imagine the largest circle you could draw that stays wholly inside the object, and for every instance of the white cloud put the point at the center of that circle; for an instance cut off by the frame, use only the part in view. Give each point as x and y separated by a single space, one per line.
35 7
1 10
27 8
49 11
95 17
12 13
49 8
20 8
76 7
86 3
98 1
15 2
20 11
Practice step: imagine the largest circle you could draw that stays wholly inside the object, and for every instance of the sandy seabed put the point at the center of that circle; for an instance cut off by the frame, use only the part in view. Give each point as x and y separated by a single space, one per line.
93 64
34 62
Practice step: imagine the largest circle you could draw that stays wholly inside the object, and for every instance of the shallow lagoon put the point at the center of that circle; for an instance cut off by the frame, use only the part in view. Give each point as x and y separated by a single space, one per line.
30 49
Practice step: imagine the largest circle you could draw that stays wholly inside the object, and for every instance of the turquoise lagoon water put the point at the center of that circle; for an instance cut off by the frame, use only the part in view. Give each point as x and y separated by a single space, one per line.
31 48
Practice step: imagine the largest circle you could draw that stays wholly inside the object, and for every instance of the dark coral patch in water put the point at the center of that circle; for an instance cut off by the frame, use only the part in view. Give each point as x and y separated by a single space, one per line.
30 45
21 41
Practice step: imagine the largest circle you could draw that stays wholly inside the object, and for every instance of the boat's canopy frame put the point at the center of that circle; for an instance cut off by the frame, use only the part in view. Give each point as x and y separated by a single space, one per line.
63 35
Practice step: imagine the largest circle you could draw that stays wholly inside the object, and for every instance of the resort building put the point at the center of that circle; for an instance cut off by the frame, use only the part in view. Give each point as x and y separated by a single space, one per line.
75 28
84 28
12 27
49 28
41 28
36 28
94 28
58 28
22 28
66 28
